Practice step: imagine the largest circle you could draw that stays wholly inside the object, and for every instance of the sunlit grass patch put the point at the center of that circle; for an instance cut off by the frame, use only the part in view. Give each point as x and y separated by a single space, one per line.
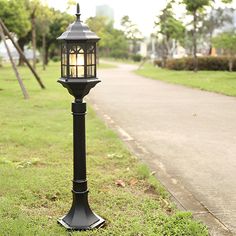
214 81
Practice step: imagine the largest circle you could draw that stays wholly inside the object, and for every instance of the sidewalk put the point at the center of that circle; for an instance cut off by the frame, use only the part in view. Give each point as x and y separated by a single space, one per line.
186 135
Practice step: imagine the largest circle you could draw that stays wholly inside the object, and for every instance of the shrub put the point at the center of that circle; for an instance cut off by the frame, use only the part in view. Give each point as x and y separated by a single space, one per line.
56 58
158 63
204 63
117 53
136 57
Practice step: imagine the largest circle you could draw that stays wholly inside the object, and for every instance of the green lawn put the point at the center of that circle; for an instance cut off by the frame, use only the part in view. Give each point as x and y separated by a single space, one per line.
214 81
36 169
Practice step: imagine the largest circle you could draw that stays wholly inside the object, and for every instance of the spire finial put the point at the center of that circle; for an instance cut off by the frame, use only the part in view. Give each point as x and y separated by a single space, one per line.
78 8
78 11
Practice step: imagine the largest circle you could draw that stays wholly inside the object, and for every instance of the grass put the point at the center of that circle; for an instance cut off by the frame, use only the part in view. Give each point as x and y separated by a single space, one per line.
214 81
36 169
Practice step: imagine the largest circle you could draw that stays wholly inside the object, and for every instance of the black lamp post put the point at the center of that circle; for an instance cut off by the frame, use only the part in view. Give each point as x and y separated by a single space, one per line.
78 75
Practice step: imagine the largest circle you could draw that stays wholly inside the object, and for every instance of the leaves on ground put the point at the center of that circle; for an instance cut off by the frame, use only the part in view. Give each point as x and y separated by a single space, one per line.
120 183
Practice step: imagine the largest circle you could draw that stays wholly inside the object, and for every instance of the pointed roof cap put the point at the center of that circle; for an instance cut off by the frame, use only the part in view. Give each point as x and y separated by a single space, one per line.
78 30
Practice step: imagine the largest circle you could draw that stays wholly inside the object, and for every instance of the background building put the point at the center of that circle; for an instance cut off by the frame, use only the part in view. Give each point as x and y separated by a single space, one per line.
105 10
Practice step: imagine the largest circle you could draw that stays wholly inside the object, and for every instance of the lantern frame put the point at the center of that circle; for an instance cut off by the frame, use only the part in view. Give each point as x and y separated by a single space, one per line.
76 34
78 59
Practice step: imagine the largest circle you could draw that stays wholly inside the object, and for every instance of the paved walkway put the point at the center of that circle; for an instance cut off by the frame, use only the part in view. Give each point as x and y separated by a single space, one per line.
186 135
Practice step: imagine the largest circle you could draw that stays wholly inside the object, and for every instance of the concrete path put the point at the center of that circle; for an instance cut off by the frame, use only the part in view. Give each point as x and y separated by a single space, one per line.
186 135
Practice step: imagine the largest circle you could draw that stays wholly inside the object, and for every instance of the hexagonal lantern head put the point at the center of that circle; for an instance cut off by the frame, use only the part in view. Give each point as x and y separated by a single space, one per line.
78 58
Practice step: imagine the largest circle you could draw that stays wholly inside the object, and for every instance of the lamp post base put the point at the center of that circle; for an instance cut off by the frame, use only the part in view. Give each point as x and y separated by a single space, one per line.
100 223
80 216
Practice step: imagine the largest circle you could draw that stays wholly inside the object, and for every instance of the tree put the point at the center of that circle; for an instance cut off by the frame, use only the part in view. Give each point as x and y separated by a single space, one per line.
131 32
43 21
33 8
118 44
227 42
214 21
16 17
58 24
171 31
113 42
195 8
70 3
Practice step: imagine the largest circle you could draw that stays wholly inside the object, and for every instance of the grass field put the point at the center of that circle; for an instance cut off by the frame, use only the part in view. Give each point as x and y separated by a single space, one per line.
214 81
36 169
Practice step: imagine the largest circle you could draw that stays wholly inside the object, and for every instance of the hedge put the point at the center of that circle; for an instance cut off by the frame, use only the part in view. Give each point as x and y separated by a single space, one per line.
204 63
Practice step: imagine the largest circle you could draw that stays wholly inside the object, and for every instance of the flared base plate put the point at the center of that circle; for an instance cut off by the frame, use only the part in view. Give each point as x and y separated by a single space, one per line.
98 224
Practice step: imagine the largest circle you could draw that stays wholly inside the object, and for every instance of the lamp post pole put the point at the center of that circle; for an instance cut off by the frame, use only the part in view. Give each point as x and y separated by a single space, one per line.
78 71
80 216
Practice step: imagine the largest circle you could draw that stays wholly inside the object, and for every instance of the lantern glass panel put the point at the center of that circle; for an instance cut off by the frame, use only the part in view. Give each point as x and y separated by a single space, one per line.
90 71
80 71
90 59
63 72
63 61
91 63
76 61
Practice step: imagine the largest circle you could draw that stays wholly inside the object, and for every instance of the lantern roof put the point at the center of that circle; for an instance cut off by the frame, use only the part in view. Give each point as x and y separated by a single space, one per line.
78 31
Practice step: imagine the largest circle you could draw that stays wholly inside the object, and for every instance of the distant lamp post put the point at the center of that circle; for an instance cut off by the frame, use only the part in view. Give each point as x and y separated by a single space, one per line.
78 75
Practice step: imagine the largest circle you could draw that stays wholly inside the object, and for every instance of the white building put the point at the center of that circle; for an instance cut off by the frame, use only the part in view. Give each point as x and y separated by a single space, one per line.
15 55
105 10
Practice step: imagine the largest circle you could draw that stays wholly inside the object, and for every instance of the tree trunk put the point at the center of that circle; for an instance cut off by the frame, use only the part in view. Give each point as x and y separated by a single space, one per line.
24 91
16 45
164 54
44 51
21 44
210 46
230 64
33 25
107 52
195 41
47 54
134 50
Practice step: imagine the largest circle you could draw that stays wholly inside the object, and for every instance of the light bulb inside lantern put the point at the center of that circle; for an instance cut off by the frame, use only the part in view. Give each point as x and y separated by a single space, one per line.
80 60
77 63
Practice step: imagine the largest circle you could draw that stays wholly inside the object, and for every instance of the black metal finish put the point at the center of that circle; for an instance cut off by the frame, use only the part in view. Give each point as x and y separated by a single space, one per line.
78 87
80 216
78 35
78 30
77 40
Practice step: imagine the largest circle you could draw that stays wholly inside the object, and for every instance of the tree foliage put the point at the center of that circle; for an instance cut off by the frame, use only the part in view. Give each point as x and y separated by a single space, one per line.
113 41
227 42
170 29
131 32
15 16
49 24
196 8
196 5
212 22
57 26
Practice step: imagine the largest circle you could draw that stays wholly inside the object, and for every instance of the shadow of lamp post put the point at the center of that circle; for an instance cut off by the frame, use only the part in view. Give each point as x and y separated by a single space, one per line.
79 75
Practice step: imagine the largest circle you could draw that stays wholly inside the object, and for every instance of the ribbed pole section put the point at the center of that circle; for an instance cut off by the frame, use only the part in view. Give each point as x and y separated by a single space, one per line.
80 216
79 144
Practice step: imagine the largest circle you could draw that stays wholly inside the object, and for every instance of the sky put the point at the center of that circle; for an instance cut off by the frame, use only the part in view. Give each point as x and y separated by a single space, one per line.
142 13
